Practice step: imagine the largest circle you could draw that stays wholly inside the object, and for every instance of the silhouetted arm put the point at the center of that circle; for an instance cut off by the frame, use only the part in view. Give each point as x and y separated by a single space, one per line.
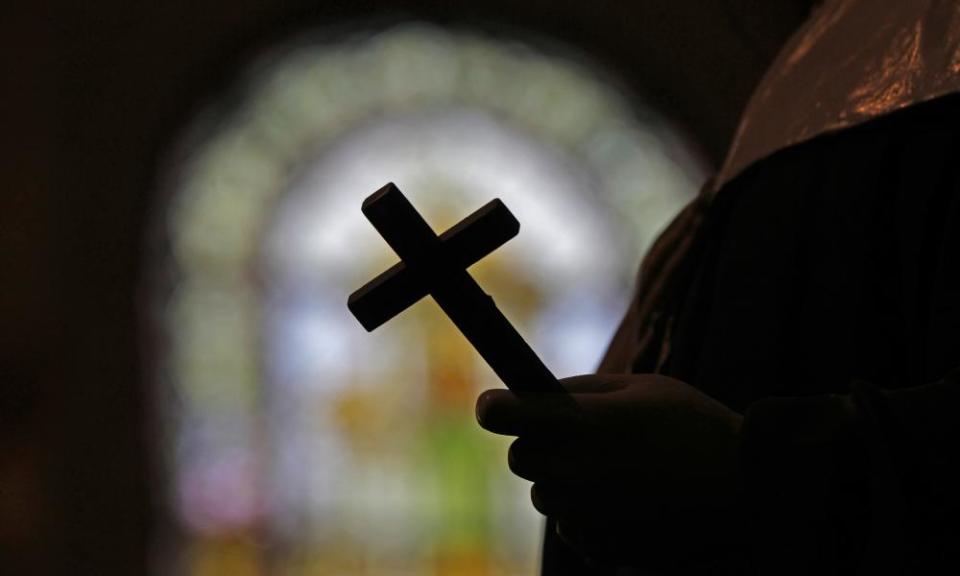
861 481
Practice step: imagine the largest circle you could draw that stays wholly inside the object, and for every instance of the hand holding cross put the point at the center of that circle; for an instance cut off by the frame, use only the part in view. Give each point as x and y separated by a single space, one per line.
633 446
437 265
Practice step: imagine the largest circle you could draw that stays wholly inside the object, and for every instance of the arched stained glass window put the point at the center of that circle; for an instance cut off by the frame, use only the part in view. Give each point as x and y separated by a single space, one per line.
297 443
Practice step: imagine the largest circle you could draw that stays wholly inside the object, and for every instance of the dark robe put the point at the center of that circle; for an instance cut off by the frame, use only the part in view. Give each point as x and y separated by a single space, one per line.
821 297
814 286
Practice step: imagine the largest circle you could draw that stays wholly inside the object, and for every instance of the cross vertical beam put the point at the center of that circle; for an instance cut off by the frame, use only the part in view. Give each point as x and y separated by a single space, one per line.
440 270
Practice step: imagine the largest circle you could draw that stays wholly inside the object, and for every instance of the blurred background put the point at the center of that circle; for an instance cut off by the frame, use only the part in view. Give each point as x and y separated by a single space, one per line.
293 439
184 390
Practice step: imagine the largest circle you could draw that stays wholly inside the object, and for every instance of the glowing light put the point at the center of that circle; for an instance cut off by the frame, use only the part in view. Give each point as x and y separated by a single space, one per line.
356 453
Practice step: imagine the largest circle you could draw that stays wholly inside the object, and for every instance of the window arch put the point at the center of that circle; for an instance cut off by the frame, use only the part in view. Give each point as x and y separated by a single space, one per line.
297 443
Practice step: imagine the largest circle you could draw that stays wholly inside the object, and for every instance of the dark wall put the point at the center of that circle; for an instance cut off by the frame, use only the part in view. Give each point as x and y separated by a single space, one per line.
92 92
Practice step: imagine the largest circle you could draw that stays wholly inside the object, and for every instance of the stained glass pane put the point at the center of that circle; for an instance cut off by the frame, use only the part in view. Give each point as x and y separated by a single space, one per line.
299 444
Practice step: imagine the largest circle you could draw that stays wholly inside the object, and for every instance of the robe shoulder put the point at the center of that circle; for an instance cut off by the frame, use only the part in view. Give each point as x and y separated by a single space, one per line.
853 61
831 261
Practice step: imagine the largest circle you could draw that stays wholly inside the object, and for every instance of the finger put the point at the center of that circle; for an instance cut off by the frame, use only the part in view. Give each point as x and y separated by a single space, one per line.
523 465
503 412
558 501
538 459
543 501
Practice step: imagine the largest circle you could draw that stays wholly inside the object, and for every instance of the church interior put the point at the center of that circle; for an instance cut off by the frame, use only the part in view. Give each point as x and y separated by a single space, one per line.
182 389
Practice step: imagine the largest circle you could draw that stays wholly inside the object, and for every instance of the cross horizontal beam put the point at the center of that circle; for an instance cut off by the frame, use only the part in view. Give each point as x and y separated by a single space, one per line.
464 244
430 264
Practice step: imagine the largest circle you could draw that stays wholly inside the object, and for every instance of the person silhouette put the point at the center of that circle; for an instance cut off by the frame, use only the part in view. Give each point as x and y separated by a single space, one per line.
781 395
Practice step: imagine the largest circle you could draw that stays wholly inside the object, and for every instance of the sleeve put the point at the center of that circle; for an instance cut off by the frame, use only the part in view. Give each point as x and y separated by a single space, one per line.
661 271
858 483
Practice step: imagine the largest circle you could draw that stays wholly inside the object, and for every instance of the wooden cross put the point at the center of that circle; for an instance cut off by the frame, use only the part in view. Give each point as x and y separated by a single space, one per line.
437 265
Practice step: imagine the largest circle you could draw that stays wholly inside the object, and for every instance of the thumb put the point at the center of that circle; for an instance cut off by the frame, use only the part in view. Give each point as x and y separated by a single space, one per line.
595 383
503 412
